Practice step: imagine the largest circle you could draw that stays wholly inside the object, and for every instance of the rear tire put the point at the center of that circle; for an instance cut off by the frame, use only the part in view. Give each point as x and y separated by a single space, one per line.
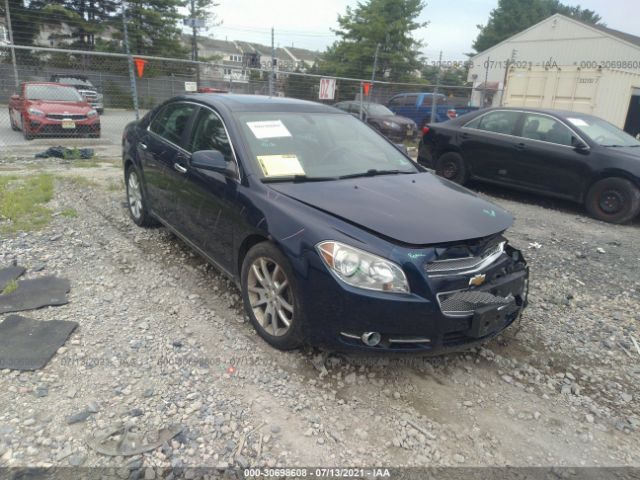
452 167
613 200
271 294
136 199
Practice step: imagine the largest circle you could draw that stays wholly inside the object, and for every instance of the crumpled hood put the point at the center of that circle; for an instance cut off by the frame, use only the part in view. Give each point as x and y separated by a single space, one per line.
418 209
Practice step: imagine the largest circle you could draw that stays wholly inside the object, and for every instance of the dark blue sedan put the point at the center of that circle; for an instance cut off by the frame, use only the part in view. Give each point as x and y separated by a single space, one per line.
334 237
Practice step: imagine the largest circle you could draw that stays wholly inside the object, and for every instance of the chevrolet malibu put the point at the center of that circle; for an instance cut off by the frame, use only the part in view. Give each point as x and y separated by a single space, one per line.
334 237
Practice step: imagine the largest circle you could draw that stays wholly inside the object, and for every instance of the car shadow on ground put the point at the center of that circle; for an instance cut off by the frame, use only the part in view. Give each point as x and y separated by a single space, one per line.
565 206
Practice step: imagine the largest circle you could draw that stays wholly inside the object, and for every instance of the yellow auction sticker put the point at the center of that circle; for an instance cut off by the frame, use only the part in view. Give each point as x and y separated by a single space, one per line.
280 165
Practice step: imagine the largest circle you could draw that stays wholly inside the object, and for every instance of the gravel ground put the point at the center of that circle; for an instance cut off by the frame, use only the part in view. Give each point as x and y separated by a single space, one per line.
163 340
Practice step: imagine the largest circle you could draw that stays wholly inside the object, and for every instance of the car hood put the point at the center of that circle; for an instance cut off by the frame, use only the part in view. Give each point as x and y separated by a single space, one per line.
631 152
391 118
418 209
60 107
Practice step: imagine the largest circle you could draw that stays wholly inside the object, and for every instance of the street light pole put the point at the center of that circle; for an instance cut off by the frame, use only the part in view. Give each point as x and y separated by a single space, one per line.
132 78
13 50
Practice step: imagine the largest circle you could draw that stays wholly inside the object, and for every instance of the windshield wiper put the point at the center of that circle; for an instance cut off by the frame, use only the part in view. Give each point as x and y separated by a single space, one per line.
297 179
373 172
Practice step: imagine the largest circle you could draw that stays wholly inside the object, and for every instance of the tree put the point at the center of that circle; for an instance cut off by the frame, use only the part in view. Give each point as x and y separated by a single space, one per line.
514 16
387 23
153 28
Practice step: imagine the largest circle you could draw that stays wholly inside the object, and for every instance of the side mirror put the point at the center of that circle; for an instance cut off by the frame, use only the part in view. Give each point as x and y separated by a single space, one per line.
580 146
210 160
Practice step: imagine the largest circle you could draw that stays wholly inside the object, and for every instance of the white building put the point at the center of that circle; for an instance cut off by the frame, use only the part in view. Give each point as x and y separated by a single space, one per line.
554 42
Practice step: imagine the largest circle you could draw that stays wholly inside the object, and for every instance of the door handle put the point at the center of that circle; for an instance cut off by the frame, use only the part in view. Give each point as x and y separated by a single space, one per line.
520 146
143 146
465 135
179 168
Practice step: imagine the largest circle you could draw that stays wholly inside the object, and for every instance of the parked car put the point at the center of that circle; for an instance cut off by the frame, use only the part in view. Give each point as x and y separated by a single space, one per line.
558 153
84 87
42 108
392 126
418 106
322 224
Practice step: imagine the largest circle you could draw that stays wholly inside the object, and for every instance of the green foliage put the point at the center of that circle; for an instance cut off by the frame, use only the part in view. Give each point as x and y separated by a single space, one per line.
10 287
514 16
115 96
389 23
22 202
69 213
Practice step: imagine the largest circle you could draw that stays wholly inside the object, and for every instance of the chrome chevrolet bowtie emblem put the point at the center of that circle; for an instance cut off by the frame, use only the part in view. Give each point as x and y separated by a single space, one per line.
477 280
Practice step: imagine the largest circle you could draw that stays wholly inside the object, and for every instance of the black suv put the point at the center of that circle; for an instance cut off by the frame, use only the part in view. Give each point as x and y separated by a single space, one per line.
84 87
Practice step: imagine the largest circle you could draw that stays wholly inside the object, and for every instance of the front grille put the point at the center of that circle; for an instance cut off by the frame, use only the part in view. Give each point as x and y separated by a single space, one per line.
466 302
90 94
56 116
458 265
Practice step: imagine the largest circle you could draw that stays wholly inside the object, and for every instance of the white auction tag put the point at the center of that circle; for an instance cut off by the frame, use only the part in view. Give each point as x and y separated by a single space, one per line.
268 129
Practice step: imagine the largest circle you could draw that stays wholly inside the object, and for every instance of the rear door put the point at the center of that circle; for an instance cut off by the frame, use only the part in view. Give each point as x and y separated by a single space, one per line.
488 143
546 159
163 157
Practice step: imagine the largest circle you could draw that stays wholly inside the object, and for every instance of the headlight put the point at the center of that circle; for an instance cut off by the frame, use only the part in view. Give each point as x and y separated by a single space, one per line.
361 269
391 124
92 113
35 112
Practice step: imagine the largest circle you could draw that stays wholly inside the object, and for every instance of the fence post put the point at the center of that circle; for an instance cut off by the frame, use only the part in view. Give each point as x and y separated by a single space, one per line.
13 50
132 77
434 103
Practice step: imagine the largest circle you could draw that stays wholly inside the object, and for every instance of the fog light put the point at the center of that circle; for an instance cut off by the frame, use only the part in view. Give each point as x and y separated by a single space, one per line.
371 339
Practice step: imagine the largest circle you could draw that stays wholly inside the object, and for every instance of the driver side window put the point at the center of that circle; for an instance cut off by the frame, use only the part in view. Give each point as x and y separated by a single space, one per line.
208 133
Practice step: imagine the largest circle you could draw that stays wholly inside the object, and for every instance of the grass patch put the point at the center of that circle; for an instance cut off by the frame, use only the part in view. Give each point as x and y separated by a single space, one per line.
22 201
69 213
85 163
10 287
115 187
79 180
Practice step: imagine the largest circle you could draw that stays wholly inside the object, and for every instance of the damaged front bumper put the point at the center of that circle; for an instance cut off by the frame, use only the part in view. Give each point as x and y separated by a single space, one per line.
448 308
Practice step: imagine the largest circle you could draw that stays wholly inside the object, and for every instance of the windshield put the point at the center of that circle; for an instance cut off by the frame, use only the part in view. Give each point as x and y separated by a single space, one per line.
378 110
604 133
318 145
52 93
74 81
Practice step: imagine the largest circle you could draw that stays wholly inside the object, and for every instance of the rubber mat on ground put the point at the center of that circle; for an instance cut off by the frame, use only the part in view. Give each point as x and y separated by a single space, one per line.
36 293
28 344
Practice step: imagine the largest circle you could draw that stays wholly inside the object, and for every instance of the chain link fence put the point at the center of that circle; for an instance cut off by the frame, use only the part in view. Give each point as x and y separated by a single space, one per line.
104 80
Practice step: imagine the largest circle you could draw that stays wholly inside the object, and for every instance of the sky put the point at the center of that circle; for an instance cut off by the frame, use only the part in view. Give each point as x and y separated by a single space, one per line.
308 23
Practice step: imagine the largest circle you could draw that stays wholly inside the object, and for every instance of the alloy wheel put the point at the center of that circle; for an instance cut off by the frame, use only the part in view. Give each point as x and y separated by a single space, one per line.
449 170
270 296
134 194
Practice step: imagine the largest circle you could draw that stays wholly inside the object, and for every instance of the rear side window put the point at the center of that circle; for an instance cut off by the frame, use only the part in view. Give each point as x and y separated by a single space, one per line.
410 100
208 133
497 122
171 122
395 102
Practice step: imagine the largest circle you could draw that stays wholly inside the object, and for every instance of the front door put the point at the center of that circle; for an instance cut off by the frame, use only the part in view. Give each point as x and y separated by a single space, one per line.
206 200
547 159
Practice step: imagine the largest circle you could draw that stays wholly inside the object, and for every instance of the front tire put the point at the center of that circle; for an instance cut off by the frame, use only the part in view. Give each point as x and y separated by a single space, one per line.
136 200
452 167
14 127
271 297
613 200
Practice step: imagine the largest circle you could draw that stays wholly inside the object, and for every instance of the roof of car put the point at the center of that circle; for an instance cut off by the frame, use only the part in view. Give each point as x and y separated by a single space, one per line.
549 111
51 84
258 103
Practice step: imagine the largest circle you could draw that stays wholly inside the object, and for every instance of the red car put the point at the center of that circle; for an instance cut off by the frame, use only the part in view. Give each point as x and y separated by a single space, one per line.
43 108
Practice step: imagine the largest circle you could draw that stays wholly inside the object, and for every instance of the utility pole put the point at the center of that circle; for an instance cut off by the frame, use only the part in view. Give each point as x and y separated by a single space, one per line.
194 41
434 103
273 64
132 77
373 73
13 50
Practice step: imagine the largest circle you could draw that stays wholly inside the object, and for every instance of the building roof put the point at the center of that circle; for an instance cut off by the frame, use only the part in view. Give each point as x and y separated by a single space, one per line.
626 37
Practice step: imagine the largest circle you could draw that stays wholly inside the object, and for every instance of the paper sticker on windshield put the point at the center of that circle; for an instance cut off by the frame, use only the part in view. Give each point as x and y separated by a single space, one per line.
280 165
578 122
268 129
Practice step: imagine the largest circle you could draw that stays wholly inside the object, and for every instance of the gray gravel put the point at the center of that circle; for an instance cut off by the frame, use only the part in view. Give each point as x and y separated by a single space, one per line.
163 340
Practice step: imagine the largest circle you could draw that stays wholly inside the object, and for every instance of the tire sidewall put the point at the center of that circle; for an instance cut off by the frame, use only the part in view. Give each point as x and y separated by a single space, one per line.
455 158
143 220
295 337
625 188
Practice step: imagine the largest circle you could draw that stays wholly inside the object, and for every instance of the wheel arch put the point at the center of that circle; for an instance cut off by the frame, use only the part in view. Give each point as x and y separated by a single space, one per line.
609 173
247 244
